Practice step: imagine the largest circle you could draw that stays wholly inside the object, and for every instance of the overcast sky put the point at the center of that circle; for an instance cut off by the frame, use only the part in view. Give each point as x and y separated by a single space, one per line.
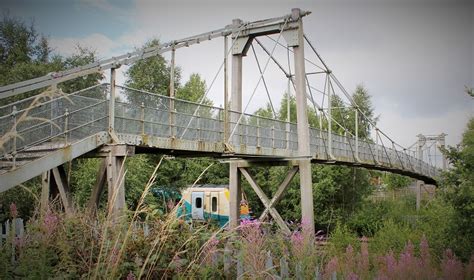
414 57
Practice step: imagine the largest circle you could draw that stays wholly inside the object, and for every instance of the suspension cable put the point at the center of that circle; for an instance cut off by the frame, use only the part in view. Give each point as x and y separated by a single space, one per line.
213 80
263 80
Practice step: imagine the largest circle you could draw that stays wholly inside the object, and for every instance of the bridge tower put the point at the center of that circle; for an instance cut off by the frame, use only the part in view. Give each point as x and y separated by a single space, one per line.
424 143
292 31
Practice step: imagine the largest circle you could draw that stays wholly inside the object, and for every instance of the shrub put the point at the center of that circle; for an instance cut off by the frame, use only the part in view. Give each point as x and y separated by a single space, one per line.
340 239
392 237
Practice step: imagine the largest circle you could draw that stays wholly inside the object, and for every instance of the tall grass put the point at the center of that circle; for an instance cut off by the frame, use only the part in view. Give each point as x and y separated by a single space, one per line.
109 247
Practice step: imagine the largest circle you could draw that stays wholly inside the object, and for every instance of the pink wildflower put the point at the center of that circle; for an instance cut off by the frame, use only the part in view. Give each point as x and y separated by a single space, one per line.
363 263
331 266
13 210
390 263
451 267
425 251
297 238
50 222
352 276
131 276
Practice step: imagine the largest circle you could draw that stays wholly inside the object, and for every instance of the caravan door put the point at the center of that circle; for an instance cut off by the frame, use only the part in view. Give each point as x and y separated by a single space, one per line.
197 209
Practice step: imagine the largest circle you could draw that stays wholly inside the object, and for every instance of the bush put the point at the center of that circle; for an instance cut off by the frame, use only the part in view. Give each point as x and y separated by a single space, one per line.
392 237
341 238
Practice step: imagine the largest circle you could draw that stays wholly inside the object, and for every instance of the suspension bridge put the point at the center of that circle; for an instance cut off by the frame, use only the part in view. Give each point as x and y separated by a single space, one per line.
47 129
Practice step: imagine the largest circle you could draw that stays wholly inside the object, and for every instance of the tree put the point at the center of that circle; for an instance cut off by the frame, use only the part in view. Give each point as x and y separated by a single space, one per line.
362 98
395 182
82 56
469 91
24 54
283 112
458 186
151 75
194 90
20 43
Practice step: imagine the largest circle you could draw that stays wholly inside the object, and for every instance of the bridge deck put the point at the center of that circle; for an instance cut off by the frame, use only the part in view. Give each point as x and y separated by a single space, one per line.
144 120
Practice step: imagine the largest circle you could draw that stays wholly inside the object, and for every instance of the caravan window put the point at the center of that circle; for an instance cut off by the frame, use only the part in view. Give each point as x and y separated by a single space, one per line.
214 204
198 202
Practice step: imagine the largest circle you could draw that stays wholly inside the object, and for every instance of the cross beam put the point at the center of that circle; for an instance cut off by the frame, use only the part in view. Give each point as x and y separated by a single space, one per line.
54 182
263 197
281 189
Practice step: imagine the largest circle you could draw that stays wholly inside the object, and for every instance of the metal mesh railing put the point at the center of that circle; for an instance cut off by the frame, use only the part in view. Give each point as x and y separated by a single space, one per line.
257 131
62 118
67 118
147 113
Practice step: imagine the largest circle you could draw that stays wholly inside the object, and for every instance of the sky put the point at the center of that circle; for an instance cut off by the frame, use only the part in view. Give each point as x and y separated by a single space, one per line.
414 57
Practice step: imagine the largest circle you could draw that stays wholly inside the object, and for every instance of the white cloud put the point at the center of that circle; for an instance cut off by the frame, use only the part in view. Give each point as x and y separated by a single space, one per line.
107 7
98 42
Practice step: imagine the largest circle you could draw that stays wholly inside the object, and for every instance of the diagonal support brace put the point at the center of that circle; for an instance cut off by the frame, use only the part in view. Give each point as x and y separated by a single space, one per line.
281 189
263 197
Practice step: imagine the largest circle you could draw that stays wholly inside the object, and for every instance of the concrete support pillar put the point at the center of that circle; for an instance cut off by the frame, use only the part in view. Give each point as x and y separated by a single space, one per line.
115 185
236 96
235 194
226 92
419 184
442 144
236 108
421 143
306 183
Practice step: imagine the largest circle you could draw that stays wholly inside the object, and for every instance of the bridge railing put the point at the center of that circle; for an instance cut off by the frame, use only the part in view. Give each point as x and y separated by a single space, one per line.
69 117
262 132
60 118
141 112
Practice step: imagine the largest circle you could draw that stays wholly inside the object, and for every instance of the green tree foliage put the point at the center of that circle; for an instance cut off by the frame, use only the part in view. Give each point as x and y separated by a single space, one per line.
469 91
82 56
283 112
194 90
395 182
20 44
339 114
362 98
24 54
152 75
458 187
338 191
